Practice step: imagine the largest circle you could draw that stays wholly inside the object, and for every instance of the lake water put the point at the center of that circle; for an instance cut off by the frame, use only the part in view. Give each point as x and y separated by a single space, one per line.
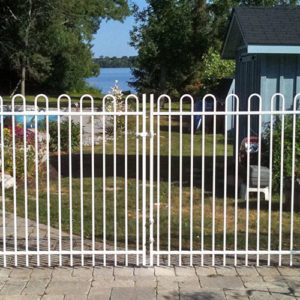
107 78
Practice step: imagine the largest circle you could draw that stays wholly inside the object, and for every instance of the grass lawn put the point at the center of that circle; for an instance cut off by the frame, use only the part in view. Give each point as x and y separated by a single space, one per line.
163 197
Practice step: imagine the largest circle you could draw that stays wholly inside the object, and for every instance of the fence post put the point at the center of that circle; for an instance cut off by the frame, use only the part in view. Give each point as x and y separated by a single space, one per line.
151 134
144 197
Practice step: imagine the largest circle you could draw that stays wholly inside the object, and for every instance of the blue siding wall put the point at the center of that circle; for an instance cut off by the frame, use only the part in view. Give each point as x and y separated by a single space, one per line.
280 74
266 75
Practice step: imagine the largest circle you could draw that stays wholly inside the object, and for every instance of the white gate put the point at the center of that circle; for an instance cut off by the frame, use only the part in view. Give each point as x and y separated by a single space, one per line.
108 181
219 203
55 216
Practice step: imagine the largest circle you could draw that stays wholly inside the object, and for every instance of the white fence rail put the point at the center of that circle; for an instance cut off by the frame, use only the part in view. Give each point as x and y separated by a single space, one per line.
110 181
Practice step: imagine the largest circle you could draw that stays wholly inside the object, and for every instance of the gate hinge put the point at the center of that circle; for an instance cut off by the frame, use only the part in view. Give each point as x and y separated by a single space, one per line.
145 134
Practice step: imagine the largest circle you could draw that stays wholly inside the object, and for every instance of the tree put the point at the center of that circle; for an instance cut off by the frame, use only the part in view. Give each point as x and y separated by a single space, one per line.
169 43
48 42
211 70
20 19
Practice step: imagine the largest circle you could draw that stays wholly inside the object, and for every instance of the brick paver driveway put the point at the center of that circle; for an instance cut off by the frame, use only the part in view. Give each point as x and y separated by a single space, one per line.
132 282
150 283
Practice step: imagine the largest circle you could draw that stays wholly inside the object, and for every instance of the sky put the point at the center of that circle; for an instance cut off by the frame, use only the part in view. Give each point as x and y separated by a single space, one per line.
113 37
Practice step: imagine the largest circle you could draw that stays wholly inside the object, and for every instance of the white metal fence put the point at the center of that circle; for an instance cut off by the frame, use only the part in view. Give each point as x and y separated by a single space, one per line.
142 185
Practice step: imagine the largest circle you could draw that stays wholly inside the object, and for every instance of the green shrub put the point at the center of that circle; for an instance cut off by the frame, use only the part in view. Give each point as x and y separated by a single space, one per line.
287 151
64 136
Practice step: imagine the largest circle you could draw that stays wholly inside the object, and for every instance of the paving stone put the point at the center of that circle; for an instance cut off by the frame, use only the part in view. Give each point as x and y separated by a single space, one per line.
185 271
97 292
2 282
103 272
167 294
35 287
133 293
4 272
20 273
68 287
221 282
277 285
53 297
75 297
19 297
123 272
261 285
186 287
266 296
236 294
164 271
123 283
62 274
206 271
13 287
142 282
237 298
271 285
267 271
275 278
204 294
181 278
103 282
289 271
99 296
167 283
294 284
247 271
258 294
144 272
252 281
83 273
282 296
189 289
226 271
113 283
41 273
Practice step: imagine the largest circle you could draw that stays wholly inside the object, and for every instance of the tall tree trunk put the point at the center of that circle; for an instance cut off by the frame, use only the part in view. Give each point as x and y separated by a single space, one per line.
26 41
23 79
200 3
162 84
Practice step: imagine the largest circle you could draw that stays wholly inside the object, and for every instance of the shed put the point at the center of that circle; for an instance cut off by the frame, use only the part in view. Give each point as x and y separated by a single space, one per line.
265 43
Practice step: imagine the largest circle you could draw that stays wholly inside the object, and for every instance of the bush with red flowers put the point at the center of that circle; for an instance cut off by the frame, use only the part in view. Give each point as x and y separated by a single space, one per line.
18 133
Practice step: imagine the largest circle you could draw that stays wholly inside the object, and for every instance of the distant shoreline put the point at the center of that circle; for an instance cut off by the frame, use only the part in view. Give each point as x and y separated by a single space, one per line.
115 62
114 68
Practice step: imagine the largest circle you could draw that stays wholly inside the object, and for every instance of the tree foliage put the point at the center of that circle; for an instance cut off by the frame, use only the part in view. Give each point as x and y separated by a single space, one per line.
50 40
169 37
211 70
